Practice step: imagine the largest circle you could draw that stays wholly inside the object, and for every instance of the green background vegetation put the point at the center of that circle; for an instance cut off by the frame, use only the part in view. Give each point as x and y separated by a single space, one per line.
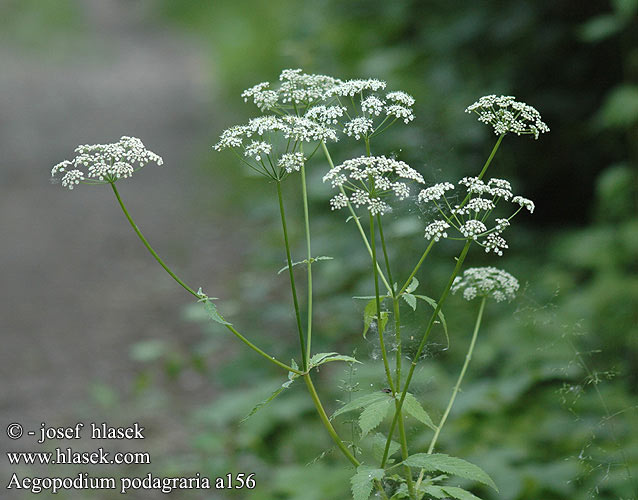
549 407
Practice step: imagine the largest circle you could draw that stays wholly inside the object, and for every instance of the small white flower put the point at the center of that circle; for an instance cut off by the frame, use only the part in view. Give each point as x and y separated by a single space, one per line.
339 201
359 126
401 112
495 243
326 115
472 229
524 202
372 105
291 162
486 282
351 88
258 148
435 192
401 97
105 163
500 188
306 130
505 114
436 230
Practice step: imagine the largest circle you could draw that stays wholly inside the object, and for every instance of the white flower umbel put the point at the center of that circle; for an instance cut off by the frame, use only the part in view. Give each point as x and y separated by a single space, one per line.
472 219
506 114
295 91
368 179
104 163
358 127
291 162
486 282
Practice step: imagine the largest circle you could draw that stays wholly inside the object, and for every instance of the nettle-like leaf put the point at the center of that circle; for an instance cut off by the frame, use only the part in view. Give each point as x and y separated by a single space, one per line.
292 376
327 357
449 465
361 402
402 492
412 286
305 261
362 481
210 308
373 415
378 446
410 300
370 314
412 407
449 491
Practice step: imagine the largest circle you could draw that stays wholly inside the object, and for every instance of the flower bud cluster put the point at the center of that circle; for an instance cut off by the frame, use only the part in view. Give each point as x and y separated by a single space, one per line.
486 282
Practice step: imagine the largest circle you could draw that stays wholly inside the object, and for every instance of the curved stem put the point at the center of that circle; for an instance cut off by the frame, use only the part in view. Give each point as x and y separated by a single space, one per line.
190 290
302 343
416 268
326 421
439 305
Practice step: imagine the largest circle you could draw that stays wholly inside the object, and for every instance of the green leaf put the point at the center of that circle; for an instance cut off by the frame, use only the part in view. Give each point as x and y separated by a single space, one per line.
402 492
378 446
369 314
260 405
327 357
373 415
361 402
362 481
441 316
449 465
459 493
412 407
410 299
211 309
435 491
412 286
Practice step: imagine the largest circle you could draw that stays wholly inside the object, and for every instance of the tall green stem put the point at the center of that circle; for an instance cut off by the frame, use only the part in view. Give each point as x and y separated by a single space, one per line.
457 387
291 274
375 272
190 290
439 305
304 194
491 157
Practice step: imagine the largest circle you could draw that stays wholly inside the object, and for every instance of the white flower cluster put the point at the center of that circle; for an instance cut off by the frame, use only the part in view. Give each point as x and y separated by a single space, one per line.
300 129
470 217
368 179
105 163
291 162
294 88
506 114
486 282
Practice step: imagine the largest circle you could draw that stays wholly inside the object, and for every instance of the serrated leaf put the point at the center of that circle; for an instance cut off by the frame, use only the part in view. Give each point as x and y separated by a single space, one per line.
373 415
410 300
362 481
412 407
435 491
361 402
327 357
459 493
412 286
402 492
211 311
449 465
441 316
378 446
260 405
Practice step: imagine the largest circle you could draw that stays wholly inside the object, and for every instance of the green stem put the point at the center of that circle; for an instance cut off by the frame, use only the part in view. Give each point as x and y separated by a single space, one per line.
302 344
326 421
417 267
304 194
439 305
375 271
356 221
190 290
491 157
457 387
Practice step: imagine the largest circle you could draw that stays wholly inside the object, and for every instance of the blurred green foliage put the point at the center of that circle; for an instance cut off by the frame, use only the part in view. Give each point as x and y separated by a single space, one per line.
549 408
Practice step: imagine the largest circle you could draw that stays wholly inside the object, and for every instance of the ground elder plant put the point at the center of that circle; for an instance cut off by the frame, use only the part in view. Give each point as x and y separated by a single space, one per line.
300 117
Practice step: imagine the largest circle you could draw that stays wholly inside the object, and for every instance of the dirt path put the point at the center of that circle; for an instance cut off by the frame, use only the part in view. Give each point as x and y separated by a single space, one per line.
78 289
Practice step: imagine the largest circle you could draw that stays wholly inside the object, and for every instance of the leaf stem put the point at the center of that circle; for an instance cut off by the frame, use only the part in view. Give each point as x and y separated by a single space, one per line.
304 195
190 290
